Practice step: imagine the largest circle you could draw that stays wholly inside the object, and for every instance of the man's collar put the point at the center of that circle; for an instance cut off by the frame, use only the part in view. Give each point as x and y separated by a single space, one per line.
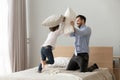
81 26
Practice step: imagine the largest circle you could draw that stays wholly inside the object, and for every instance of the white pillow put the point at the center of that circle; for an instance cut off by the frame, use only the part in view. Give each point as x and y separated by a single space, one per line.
61 62
70 15
52 20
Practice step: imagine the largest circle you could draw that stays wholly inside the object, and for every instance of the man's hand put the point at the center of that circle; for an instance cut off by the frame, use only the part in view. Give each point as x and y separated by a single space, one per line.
72 23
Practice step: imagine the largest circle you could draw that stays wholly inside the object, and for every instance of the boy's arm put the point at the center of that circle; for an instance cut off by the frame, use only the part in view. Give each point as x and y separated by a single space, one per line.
61 26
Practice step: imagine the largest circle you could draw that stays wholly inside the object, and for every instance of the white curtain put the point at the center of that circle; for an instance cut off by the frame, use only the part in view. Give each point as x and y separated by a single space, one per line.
5 67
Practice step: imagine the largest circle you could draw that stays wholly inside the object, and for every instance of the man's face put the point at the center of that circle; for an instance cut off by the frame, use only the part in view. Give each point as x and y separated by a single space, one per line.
78 21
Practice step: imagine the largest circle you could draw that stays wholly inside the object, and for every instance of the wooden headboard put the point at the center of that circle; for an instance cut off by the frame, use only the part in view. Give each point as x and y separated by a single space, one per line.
103 56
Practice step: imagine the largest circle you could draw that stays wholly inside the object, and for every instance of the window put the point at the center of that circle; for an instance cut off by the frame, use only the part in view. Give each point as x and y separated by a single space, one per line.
4 48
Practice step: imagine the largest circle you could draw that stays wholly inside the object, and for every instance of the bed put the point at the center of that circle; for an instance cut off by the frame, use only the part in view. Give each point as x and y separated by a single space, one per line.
100 55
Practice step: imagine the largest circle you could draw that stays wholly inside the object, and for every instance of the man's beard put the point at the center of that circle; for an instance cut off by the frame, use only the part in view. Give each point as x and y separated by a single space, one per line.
79 25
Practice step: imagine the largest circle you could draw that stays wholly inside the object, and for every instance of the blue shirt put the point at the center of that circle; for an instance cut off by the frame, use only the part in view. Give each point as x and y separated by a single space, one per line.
82 36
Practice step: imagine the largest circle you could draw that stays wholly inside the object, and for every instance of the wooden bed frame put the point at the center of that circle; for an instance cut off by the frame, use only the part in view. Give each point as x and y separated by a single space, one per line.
103 56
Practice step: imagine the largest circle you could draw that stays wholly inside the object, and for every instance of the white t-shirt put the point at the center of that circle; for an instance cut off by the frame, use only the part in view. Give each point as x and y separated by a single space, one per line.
52 36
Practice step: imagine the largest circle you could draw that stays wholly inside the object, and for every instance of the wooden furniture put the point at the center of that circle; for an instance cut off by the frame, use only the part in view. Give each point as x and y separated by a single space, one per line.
116 68
117 57
117 73
103 56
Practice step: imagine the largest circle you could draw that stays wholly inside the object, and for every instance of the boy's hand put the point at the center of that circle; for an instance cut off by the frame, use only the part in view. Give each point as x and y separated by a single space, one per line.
64 19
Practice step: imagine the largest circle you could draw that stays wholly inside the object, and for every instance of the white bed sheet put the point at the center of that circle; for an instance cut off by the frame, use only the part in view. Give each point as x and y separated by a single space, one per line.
58 74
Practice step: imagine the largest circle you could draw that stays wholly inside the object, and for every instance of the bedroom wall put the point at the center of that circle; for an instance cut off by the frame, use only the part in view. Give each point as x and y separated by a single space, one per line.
102 16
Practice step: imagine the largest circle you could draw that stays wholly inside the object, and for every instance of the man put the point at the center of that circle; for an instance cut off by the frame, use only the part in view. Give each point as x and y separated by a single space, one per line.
82 35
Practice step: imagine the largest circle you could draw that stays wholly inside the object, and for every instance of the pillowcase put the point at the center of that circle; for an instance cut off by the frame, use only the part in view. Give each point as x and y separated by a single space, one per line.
52 20
70 15
60 62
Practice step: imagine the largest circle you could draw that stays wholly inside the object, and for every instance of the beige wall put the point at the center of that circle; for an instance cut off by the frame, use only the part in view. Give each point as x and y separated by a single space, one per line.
102 16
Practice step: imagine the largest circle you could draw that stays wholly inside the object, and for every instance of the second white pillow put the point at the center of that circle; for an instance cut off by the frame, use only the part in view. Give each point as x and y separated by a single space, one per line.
70 15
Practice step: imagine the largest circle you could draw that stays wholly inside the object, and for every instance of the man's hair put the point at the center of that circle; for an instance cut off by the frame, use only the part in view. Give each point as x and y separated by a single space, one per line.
54 28
81 17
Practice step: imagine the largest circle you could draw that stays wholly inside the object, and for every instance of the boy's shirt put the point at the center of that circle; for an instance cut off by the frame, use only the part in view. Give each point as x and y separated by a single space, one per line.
52 36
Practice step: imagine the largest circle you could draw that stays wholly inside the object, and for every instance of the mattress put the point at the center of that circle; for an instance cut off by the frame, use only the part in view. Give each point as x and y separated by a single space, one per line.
58 74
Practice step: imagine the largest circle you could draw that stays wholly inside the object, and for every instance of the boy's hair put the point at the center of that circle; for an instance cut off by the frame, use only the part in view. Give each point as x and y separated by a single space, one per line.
81 17
54 28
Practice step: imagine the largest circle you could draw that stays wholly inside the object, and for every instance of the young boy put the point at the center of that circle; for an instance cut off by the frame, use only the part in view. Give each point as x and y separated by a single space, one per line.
49 45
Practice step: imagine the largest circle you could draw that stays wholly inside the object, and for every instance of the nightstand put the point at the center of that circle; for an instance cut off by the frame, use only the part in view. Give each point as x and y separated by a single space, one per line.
116 67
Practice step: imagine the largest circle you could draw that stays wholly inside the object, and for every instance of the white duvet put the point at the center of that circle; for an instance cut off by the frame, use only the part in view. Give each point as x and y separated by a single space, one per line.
58 74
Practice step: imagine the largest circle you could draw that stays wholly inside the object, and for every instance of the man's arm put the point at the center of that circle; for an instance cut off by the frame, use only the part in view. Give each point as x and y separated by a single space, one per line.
73 33
84 31
72 23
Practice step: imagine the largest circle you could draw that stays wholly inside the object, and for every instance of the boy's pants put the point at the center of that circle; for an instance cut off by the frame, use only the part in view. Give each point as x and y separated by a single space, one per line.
46 52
